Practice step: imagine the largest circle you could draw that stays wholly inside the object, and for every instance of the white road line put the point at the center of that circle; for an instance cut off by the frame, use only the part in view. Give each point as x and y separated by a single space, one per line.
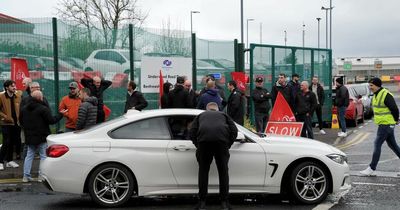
373 184
324 206
360 127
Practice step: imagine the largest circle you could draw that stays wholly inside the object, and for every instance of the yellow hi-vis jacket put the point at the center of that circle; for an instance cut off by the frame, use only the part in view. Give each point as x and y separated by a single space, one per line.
382 114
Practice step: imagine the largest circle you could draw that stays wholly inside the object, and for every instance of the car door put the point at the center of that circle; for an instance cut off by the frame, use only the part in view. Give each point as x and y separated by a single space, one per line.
142 145
246 165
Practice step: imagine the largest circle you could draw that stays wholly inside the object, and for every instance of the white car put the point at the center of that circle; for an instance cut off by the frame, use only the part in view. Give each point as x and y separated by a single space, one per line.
147 153
110 60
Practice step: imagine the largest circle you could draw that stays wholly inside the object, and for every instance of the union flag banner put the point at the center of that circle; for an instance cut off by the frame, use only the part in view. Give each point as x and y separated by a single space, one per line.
281 112
19 70
240 78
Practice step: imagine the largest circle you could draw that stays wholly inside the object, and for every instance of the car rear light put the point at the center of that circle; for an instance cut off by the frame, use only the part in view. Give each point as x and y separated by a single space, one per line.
56 150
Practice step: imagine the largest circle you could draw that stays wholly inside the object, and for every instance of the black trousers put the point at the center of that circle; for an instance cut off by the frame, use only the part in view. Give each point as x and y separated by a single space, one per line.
307 126
11 139
205 153
101 116
318 111
261 121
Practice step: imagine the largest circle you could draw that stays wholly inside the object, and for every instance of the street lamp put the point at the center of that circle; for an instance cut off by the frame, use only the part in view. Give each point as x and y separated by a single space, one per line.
247 41
191 21
285 37
318 19
326 10
304 33
241 21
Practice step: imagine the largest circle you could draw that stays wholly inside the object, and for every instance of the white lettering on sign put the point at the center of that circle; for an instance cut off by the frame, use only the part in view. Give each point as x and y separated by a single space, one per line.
284 130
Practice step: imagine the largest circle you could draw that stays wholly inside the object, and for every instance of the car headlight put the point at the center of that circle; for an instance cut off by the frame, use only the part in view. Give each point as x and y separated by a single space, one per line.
341 159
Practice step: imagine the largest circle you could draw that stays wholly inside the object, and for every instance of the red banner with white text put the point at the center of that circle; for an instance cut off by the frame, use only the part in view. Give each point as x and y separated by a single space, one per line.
19 70
240 78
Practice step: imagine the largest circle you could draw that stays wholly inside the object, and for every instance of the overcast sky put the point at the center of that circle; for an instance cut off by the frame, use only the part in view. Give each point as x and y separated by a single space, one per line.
360 27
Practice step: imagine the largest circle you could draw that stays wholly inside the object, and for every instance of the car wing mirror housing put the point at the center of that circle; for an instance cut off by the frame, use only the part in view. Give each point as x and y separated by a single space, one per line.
240 137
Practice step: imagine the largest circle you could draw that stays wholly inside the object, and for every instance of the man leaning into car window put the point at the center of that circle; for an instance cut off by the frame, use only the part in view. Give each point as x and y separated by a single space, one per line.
213 140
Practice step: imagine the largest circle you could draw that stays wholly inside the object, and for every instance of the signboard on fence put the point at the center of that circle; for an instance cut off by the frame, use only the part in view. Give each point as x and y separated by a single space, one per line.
171 68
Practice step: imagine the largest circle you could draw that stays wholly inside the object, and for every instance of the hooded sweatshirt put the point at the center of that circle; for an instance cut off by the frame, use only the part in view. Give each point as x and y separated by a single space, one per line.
210 95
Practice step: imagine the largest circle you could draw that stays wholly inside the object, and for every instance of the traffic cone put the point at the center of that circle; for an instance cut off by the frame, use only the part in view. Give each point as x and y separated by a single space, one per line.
335 123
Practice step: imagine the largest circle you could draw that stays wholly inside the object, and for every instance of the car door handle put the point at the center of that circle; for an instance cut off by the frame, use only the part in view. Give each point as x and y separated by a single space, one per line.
181 148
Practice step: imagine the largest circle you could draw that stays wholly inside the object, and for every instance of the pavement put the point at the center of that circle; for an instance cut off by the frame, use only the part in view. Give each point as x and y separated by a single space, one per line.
16 174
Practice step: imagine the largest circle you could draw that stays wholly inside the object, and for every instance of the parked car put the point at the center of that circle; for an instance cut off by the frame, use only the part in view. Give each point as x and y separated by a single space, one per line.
110 60
221 63
146 153
362 92
63 66
35 63
355 111
76 62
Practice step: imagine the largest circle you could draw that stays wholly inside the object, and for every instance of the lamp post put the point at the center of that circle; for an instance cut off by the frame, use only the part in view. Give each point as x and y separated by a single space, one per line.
330 28
304 33
241 21
285 37
318 19
191 21
326 12
247 39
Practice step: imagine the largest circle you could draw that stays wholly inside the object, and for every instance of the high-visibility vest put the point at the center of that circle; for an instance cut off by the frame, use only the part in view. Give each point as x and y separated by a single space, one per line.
382 114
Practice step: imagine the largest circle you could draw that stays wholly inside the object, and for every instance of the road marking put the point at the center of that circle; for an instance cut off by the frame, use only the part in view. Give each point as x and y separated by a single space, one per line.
324 206
354 141
361 127
339 138
6 181
373 184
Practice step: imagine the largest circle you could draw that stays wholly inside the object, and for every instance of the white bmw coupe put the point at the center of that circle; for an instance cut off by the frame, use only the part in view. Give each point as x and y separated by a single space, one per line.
149 153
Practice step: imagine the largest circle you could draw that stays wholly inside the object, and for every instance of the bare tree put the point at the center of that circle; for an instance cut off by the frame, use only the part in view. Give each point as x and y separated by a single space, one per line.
109 15
172 41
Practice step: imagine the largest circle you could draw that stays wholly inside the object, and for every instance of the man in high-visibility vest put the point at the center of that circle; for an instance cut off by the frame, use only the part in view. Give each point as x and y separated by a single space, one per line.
386 116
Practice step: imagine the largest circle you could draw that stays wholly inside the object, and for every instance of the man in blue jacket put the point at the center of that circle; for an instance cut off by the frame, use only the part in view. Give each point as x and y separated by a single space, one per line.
210 95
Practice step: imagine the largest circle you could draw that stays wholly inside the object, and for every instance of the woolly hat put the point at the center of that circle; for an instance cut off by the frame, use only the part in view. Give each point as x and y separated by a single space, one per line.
339 80
376 81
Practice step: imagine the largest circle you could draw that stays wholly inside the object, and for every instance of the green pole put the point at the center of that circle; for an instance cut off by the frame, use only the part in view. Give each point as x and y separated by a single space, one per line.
131 56
273 68
312 65
294 62
55 58
252 118
194 68
236 53
240 57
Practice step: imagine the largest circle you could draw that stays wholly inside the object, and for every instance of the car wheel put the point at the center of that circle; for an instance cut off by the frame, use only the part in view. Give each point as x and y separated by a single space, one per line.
111 185
88 69
309 183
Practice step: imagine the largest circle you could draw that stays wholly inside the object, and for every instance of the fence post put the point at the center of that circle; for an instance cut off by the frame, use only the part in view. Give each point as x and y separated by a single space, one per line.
131 55
194 68
55 58
251 84
236 53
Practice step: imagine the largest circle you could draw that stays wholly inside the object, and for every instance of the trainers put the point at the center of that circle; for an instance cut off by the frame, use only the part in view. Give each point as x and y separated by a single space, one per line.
322 132
12 164
342 134
40 178
368 172
27 179
201 206
1 166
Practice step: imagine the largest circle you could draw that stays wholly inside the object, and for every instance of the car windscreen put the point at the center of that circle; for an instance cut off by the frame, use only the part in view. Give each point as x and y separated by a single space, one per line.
101 125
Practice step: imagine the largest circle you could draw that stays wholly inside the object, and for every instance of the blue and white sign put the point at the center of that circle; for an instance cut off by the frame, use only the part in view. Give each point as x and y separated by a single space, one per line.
216 75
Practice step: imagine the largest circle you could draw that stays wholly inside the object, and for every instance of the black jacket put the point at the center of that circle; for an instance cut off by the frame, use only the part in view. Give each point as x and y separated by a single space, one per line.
286 91
212 126
305 103
235 107
342 96
295 88
35 118
261 98
87 113
179 98
135 100
94 91
320 93
25 100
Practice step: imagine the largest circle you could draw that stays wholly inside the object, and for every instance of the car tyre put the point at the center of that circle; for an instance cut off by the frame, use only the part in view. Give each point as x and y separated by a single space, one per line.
309 183
111 185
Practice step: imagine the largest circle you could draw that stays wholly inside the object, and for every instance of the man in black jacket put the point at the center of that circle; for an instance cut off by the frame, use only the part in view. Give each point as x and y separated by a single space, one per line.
341 102
134 98
87 113
213 133
305 103
35 118
97 86
284 88
179 96
261 98
235 107
318 90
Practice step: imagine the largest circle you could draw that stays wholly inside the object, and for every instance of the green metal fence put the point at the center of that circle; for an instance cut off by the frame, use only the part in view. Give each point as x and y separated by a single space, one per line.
269 61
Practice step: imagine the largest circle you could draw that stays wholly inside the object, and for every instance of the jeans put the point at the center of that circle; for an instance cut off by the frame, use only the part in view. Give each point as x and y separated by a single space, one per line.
385 133
318 111
31 154
261 121
342 120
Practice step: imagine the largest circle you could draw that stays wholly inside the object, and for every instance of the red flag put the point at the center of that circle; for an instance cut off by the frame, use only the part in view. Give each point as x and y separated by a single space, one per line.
19 70
107 111
240 79
161 89
281 111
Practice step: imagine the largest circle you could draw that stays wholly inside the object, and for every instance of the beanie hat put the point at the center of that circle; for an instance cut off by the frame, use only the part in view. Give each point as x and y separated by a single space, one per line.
180 80
376 81
339 80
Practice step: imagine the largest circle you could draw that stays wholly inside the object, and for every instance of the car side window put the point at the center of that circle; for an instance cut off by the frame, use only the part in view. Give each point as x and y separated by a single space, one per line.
180 126
114 56
152 129
102 55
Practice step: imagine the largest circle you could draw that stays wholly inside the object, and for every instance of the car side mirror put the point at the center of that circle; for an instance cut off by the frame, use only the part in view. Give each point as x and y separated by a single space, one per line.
240 137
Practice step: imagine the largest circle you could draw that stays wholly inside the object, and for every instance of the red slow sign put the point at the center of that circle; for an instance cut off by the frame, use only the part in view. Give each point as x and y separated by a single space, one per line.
284 128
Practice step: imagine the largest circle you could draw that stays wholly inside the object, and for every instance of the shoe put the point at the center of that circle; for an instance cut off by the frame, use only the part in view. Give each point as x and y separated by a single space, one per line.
342 134
201 206
27 179
368 172
40 178
12 164
1 166
225 205
322 132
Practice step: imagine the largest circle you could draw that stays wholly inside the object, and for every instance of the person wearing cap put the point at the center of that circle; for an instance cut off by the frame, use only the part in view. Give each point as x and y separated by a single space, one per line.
261 98
97 86
71 103
386 116
341 102
179 96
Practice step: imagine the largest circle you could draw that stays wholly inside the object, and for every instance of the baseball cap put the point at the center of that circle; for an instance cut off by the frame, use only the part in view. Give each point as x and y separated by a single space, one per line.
180 80
73 85
259 79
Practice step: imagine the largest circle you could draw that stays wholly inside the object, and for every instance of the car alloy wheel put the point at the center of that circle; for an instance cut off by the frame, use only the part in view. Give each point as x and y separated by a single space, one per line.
111 185
310 183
